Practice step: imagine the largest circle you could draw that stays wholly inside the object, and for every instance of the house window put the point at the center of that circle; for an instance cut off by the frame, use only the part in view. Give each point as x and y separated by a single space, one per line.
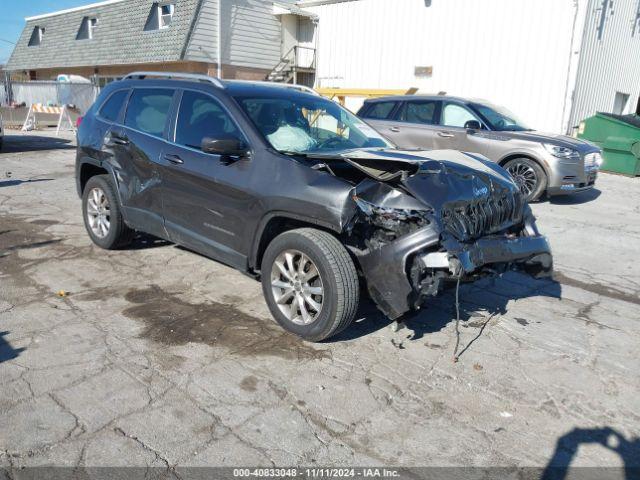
160 17
166 15
86 28
36 36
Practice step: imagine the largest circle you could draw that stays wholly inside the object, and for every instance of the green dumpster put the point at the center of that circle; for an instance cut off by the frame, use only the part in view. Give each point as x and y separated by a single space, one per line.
621 155
619 138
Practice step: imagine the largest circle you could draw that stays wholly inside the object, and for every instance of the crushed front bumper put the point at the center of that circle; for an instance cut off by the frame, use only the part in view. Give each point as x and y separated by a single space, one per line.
390 270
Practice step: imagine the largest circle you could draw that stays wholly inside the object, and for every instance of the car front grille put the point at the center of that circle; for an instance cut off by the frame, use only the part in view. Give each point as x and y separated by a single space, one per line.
467 221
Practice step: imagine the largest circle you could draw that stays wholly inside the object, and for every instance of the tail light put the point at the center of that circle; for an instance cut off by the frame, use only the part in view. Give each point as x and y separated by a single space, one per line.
78 121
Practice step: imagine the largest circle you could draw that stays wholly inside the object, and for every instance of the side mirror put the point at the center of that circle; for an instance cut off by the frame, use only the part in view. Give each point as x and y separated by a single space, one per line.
473 125
231 146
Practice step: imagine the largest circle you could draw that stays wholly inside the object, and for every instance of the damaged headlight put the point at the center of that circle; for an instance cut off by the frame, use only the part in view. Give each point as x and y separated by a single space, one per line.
393 219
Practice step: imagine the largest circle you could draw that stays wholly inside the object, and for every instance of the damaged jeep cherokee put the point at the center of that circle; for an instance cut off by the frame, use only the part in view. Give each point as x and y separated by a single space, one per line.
290 188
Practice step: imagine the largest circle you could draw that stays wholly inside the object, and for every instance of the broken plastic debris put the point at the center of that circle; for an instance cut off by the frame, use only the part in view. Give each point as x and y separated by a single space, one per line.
506 415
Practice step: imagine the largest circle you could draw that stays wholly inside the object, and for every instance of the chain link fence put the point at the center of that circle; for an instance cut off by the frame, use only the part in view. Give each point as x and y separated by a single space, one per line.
80 95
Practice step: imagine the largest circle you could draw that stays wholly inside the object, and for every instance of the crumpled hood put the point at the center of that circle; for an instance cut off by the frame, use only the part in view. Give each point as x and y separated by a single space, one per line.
435 177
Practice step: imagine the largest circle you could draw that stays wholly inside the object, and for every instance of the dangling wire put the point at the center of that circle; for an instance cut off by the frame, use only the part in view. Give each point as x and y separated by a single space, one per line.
455 350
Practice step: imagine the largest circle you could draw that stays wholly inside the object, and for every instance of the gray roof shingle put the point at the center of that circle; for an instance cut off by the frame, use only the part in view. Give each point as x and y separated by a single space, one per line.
118 39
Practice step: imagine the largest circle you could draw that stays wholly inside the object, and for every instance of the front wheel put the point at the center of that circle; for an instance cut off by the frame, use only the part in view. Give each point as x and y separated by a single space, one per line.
310 283
529 176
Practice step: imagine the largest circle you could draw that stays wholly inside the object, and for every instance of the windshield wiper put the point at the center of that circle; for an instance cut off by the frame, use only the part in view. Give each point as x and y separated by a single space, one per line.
292 154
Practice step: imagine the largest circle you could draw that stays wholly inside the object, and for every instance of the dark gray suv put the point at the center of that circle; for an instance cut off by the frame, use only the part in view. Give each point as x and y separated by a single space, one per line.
289 187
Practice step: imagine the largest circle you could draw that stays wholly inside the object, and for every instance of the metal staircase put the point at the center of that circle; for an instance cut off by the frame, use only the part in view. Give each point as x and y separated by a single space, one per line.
297 66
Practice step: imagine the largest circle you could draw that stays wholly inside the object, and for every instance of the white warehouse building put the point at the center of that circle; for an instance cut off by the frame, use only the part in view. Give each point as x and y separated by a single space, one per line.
552 62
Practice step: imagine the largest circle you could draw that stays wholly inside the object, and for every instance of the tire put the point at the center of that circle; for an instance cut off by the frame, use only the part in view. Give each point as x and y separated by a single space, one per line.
337 280
117 234
524 171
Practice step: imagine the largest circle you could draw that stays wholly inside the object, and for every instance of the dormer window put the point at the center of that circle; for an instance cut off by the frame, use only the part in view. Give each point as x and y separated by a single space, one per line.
36 36
86 28
166 14
160 17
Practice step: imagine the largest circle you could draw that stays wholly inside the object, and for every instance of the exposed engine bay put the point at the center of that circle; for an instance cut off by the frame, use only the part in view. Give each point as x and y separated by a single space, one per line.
426 219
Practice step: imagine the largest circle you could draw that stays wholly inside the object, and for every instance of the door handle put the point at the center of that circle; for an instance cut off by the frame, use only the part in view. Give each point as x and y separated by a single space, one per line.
175 159
394 129
111 140
446 134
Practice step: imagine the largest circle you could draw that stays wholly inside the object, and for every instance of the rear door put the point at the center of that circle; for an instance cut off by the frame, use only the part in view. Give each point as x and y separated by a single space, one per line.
416 124
380 116
206 197
139 145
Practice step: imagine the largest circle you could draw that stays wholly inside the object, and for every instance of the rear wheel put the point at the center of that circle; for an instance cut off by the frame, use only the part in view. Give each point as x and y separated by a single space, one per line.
529 176
310 283
103 216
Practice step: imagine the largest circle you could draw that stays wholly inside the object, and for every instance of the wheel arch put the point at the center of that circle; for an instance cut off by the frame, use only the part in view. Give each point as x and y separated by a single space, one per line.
275 223
512 156
90 168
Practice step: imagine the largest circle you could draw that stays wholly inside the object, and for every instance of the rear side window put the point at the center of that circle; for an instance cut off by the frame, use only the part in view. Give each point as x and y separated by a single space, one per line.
423 112
111 108
148 110
201 116
379 110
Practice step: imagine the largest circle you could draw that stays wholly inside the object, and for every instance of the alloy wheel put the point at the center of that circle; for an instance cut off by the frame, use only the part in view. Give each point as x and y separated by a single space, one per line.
297 287
524 176
98 212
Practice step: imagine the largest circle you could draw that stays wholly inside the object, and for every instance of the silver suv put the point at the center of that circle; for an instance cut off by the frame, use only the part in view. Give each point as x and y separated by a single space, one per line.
539 162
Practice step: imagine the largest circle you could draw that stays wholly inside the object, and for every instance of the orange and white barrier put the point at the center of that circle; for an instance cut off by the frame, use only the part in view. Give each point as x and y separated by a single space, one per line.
30 121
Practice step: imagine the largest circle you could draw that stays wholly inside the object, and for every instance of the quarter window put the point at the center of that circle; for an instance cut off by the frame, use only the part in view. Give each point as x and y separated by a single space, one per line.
380 110
148 110
455 115
423 112
111 108
201 116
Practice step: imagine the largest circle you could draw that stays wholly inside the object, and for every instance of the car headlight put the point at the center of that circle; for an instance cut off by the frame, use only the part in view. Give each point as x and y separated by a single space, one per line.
592 160
393 219
561 152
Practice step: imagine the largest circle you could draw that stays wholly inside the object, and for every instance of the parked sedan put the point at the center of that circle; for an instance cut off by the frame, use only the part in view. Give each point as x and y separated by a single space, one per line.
538 162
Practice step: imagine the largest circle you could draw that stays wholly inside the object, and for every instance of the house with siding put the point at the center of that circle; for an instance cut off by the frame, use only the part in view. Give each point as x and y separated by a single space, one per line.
246 39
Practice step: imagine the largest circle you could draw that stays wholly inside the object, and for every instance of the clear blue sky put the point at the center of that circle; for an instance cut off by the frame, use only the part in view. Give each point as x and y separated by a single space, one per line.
13 13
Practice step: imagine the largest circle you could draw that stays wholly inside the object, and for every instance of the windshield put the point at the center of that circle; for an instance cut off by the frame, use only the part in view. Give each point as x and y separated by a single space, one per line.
299 124
499 118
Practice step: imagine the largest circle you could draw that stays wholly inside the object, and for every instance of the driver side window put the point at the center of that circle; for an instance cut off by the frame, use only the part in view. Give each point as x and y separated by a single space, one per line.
201 116
455 115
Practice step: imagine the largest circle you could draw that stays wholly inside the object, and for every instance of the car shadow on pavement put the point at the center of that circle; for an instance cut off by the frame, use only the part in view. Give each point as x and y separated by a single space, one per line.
144 241
577 198
568 445
479 303
34 143
14 183
7 352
